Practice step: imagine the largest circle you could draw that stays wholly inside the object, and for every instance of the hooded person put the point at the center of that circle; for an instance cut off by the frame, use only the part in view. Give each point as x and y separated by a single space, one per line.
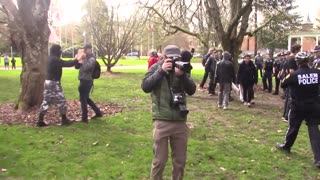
53 93
224 76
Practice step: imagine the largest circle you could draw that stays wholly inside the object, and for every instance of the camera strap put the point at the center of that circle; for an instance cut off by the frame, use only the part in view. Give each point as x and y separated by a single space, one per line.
169 78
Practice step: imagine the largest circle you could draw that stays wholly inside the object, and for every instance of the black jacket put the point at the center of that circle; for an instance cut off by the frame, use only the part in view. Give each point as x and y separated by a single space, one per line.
247 73
55 64
225 72
303 83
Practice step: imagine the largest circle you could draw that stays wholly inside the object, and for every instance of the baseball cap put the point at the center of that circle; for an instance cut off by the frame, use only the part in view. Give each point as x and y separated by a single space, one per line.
316 49
171 51
87 46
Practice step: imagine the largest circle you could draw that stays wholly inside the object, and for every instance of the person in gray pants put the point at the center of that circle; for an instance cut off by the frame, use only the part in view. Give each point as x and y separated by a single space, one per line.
224 76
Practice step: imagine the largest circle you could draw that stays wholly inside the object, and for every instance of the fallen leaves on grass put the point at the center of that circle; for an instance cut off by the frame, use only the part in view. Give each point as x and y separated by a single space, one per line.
10 116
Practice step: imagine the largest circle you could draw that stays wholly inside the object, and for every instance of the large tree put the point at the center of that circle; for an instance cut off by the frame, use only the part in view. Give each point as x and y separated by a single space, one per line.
28 25
275 35
225 21
113 34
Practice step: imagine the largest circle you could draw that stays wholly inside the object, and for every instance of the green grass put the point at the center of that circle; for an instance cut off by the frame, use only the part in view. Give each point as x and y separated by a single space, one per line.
122 62
234 144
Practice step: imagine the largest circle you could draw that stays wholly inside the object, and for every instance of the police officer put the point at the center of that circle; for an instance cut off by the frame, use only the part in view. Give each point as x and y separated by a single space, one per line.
316 62
267 75
289 67
53 93
276 70
304 86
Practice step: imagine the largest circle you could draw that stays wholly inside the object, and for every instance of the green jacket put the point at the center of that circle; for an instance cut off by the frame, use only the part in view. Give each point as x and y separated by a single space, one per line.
158 82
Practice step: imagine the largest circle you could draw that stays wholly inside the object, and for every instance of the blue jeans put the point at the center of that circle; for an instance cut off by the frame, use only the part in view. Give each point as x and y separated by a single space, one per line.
84 90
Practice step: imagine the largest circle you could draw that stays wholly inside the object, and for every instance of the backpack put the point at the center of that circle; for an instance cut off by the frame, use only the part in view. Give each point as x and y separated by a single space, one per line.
97 70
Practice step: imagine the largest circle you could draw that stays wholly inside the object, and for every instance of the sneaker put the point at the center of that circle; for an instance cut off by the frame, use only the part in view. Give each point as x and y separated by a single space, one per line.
317 164
249 104
284 119
282 148
252 102
96 116
245 103
200 88
41 124
225 107
220 106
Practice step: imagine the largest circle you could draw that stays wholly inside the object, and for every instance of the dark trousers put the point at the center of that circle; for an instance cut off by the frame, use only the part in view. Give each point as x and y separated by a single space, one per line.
267 76
247 92
259 68
204 79
276 90
84 90
212 83
295 120
286 105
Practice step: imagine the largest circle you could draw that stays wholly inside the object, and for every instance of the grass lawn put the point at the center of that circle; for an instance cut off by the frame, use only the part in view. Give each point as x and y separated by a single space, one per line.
122 62
234 144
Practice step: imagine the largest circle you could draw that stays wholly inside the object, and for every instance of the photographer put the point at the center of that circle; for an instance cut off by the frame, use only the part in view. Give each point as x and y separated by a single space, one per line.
168 86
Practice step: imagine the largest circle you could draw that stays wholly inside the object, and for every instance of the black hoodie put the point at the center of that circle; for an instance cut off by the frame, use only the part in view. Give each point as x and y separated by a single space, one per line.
55 64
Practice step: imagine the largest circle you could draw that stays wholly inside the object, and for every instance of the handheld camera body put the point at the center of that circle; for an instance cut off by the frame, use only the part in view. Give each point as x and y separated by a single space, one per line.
179 102
184 66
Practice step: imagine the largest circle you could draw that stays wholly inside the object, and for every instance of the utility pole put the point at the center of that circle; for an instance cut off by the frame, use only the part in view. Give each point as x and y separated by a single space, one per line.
256 27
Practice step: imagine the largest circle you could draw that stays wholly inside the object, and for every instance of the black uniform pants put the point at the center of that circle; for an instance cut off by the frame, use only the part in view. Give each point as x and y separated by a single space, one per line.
204 79
84 90
267 76
297 114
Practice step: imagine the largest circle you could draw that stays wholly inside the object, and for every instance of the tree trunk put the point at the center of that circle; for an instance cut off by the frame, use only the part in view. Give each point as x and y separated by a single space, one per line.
33 75
28 24
109 68
233 47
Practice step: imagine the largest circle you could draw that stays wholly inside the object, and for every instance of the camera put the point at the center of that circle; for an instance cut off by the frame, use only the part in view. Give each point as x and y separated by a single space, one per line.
183 66
178 101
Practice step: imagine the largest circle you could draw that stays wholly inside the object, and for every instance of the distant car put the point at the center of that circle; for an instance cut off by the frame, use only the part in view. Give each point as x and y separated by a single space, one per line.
133 54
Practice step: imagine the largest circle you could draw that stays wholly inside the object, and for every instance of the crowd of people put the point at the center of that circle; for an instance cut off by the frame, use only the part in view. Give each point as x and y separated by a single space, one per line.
169 82
295 71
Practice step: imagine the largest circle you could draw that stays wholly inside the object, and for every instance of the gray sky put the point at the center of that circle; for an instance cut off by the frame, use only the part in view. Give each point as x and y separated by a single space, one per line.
72 8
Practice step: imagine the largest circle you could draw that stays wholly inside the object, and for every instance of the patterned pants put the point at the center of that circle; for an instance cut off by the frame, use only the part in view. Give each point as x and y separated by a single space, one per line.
53 95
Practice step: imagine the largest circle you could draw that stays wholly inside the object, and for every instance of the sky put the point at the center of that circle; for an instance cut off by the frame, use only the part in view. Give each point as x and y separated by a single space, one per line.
72 9
308 6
